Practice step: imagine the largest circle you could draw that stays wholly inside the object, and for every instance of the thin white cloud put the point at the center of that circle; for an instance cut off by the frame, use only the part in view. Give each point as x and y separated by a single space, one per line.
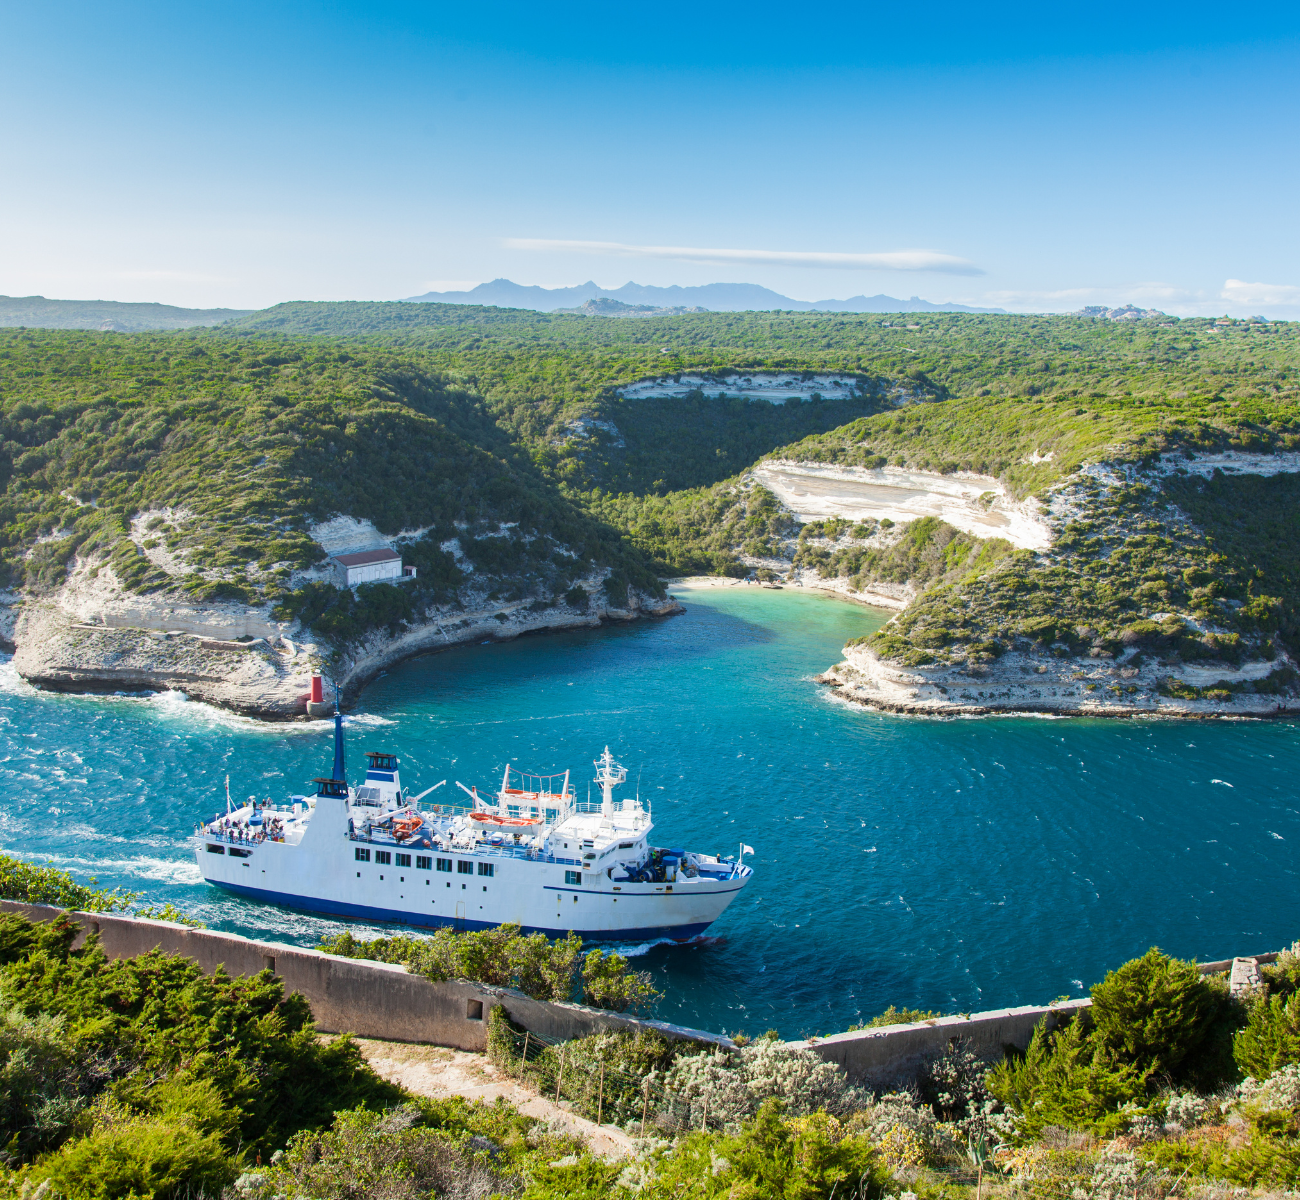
890 260
1238 291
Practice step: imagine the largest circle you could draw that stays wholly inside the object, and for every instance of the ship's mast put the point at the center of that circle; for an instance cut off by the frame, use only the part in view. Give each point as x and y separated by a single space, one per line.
339 770
609 775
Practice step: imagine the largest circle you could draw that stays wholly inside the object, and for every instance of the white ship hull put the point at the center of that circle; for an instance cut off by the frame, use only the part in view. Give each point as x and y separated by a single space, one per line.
532 894
338 860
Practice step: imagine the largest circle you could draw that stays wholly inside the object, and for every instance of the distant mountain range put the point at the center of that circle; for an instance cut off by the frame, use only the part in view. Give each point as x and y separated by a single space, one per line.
36 312
714 297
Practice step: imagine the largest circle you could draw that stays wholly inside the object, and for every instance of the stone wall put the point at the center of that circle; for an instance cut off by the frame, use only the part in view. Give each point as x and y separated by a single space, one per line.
381 1000
881 1058
893 1054
352 995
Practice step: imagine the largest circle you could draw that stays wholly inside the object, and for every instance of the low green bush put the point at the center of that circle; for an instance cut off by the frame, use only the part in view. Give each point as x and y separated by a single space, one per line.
603 1075
1155 1021
45 1084
503 957
1161 1016
1067 1079
897 1016
1271 1038
134 1158
771 1158
725 1088
1269 1158
402 1154
153 1037
29 883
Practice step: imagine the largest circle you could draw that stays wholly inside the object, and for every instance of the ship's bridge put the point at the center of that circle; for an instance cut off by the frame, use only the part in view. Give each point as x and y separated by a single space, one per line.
383 783
382 766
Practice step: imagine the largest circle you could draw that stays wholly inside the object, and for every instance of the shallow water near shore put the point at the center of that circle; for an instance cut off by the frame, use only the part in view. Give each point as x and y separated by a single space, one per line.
955 865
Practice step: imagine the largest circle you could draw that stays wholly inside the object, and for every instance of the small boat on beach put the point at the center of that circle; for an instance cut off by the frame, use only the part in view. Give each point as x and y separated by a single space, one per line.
535 856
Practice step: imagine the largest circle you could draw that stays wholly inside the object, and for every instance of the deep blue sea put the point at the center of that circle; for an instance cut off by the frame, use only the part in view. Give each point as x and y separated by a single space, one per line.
948 864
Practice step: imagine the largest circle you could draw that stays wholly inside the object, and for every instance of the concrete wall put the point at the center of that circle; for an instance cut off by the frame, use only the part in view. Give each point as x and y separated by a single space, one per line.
881 1058
892 1054
351 995
380 1000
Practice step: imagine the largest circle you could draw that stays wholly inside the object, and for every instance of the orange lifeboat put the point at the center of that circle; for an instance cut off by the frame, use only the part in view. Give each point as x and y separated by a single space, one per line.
404 827
493 819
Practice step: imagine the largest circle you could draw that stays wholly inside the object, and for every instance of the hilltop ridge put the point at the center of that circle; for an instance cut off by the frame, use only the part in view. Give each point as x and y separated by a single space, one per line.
110 316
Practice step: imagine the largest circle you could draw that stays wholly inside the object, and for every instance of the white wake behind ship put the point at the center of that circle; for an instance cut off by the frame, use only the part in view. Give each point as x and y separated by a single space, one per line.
535 856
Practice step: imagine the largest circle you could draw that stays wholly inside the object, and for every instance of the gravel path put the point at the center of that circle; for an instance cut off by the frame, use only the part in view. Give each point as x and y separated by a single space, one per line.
438 1072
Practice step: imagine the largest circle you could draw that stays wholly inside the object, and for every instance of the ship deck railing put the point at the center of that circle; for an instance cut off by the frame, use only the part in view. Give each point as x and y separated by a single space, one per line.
232 837
477 850
447 810
593 807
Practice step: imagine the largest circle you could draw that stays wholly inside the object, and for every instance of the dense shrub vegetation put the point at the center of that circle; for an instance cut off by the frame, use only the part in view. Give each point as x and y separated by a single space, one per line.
505 430
239 444
146 1073
513 356
503 957
1125 573
31 884
143 1079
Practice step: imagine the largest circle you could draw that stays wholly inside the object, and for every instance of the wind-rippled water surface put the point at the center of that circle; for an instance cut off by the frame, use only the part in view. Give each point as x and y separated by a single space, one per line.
946 864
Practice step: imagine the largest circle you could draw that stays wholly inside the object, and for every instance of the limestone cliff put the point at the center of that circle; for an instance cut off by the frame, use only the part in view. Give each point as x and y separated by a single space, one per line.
93 635
1157 586
1041 682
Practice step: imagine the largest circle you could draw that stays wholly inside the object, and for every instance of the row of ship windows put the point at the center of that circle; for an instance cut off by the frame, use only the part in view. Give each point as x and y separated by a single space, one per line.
385 858
422 863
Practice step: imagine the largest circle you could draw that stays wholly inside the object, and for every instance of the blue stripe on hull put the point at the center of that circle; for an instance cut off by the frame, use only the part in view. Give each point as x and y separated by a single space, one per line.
363 912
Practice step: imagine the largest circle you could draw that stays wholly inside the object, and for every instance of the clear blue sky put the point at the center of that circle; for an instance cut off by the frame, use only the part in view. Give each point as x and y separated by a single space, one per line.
240 154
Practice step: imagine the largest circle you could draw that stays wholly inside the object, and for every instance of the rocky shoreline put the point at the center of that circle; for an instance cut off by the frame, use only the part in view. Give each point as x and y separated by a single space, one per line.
1041 683
380 652
58 647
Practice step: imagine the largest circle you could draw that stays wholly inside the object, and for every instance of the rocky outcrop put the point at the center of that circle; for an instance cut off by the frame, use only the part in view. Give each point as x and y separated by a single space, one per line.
255 678
1044 683
92 636
976 504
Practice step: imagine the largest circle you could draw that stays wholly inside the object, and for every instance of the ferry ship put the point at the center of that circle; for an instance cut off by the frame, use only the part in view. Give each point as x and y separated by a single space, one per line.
534 856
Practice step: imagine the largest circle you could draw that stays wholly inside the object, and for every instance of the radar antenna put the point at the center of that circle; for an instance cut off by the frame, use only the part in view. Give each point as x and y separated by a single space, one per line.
609 774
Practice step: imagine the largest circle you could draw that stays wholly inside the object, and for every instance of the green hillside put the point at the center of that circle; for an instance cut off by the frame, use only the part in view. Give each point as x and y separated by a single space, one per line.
515 353
1016 378
505 428
36 312
1001 436
251 439
1225 550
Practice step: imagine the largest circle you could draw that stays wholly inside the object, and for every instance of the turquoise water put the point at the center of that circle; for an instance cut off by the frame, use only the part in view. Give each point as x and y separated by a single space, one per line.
948 864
